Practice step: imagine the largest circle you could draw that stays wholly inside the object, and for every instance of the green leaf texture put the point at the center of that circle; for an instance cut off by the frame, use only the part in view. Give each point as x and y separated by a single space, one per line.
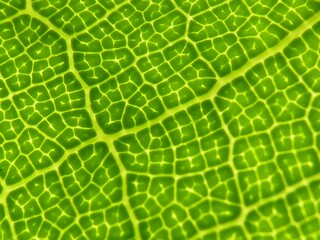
160 119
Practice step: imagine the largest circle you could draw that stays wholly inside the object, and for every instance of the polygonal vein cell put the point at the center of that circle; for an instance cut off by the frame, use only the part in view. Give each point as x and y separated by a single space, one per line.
30 53
31 152
87 184
57 109
133 98
71 16
190 141
228 35
293 216
193 146
9 8
166 75
267 111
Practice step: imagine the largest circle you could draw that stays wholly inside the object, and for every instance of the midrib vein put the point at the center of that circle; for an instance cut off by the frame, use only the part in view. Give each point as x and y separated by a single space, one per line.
226 79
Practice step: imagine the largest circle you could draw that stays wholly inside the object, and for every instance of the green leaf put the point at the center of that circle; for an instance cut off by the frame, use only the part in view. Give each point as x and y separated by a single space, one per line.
150 119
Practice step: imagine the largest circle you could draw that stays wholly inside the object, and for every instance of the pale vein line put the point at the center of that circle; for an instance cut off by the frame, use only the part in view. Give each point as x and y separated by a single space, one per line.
227 79
100 133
